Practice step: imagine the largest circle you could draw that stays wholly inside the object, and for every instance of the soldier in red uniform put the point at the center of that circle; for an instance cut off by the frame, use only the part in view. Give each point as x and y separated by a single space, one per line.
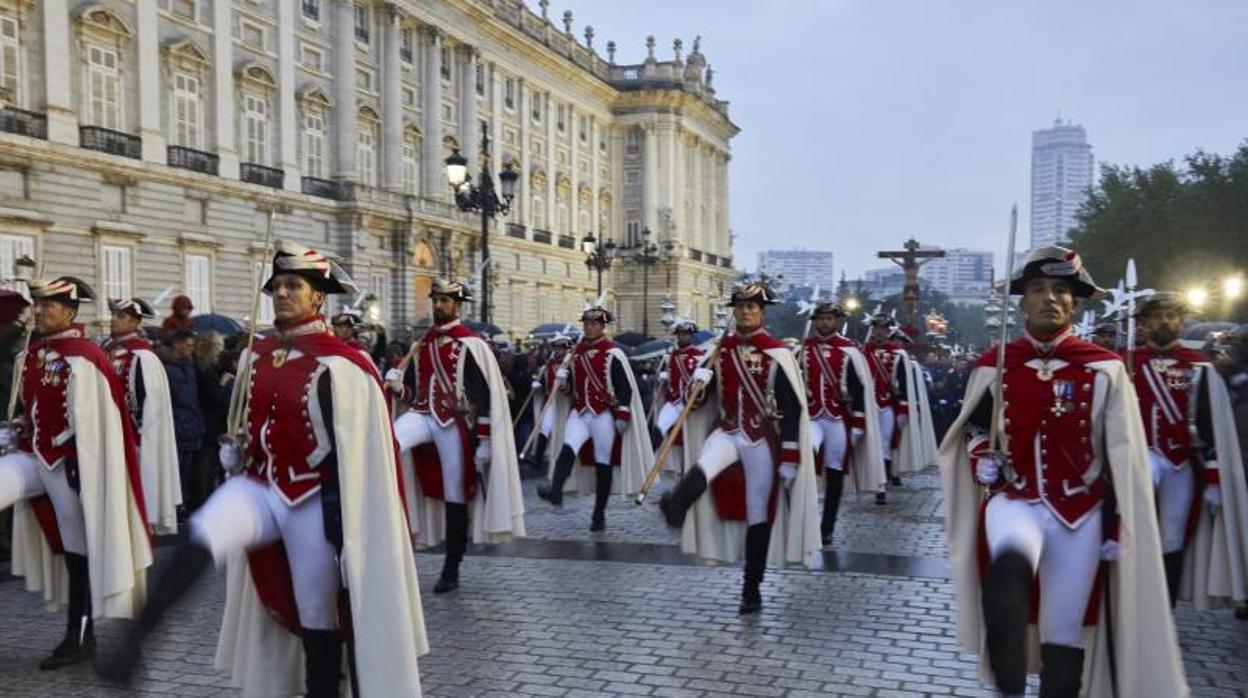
836 403
1072 443
147 396
346 327
604 398
675 374
545 384
313 502
455 391
759 448
1186 408
889 374
71 472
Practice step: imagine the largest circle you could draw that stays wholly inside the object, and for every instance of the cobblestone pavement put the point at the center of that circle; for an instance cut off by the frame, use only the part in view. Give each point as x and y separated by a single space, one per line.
533 619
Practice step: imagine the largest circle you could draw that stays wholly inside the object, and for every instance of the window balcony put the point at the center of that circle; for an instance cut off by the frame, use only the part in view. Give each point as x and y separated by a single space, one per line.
106 140
515 230
24 123
712 259
725 262
541 236
324 188
194 160
259 174
695 255
567 242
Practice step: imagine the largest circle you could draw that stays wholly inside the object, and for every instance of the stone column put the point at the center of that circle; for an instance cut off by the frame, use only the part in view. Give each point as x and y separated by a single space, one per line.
432 180
147 45
697 226
650 200
469 129
345 116
574 175
391 99
552 168
723 234
288 117
224 99
62 114
595 206
526 157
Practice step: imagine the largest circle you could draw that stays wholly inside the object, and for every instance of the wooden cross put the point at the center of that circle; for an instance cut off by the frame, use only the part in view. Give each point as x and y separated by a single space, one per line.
910 259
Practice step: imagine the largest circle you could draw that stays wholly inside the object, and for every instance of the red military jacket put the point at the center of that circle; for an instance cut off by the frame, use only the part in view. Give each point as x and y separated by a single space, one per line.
1050 425
290 435
437 367
833 387
680 365
883 363
590 376
120 351
549 369
1166 381
745 375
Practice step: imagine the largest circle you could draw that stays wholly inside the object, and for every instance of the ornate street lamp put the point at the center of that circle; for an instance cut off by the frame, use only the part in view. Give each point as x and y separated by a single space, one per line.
484 198
647 254
598 257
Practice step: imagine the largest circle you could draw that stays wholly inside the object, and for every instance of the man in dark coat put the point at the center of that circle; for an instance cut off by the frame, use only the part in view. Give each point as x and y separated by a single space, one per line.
188 420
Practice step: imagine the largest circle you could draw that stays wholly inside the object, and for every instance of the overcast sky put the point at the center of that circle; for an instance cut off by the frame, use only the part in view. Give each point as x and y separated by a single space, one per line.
864 122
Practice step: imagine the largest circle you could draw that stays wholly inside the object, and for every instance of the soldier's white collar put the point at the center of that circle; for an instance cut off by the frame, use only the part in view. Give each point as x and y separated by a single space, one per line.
72 332
299 328
1044 348
447 325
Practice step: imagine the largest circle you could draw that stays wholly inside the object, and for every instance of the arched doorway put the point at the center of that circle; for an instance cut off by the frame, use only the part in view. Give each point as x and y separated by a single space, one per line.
424 268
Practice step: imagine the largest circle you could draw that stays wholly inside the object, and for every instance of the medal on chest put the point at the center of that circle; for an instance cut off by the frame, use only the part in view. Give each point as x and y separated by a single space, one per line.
1063 397
1178 379
280 356
1045 372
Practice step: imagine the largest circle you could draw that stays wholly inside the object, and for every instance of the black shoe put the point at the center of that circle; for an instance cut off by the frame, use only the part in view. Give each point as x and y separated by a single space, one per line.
1005 598
598 523
1172 563
70 652
894 480
757 538
322 654
675 503
881 498
1241 612
750 606
1061 671
449 581
826 539
602 494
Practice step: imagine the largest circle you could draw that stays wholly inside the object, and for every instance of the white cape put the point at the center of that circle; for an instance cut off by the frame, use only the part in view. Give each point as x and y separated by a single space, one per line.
118 549
379 569
158 445
1214 572
1145 644
497 508
866 456
795 529
916 447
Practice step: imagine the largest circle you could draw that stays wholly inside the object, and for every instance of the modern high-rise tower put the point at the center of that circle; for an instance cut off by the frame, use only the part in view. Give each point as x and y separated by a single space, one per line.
1061 173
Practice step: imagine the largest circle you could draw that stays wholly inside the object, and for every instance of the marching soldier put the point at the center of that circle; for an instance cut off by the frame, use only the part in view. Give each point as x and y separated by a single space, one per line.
1067 485
151 408
758 461
551 405
844 418
346 327
311 522
599 431
1196 463
675 374
884 356
455 390
914 434
71 473
1105 335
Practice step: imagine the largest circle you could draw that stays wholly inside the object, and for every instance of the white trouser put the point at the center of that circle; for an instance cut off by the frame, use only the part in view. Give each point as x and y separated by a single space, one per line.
1175 489
668 414
600 427
721 449
548 420
244 514
413 429
830 434
23 477
1066 560
888 422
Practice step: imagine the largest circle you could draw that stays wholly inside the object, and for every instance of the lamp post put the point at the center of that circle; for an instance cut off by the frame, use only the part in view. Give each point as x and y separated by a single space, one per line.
598 257
647 254
484 198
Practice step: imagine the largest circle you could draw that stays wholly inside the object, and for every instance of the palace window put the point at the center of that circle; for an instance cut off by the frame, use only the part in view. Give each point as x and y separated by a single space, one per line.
509 93
198 282
407 44
115 271
366 152
255 129
103 88
10 59
363 24
312 9
480 79
314 141
411 160
187 112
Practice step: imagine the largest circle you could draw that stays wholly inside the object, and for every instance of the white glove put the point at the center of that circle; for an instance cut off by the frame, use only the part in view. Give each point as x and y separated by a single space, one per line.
788 474
482 457
702 375
231 456
8 439
561 374
1213 498
621 425
664 375
855 434
988 469
536 385
1109 551
394 380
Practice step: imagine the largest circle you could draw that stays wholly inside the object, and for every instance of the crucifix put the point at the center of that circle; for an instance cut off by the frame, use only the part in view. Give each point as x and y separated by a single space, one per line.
910 259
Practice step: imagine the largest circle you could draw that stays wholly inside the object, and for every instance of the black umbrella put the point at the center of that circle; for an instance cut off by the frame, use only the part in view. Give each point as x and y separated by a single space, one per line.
631 339
547 331
223 325
653 349
485 329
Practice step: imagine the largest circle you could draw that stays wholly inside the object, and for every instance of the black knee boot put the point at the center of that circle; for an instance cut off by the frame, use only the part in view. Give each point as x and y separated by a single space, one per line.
1061 671
756 539
176 579
602 493
456 545
322 656
1006 590
831 502
893 478
1173 564
675 503
553 492
79 642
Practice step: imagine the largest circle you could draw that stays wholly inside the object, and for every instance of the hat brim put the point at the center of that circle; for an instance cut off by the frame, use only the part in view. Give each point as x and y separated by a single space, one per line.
1079 288
315 279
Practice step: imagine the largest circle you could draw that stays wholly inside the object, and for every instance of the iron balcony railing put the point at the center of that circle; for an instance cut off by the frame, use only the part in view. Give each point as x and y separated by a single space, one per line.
194 160
324 188
259 174
24 123
107 140
540 235
515 230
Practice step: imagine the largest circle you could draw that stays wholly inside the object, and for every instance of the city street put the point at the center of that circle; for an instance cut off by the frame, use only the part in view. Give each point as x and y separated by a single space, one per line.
567 613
